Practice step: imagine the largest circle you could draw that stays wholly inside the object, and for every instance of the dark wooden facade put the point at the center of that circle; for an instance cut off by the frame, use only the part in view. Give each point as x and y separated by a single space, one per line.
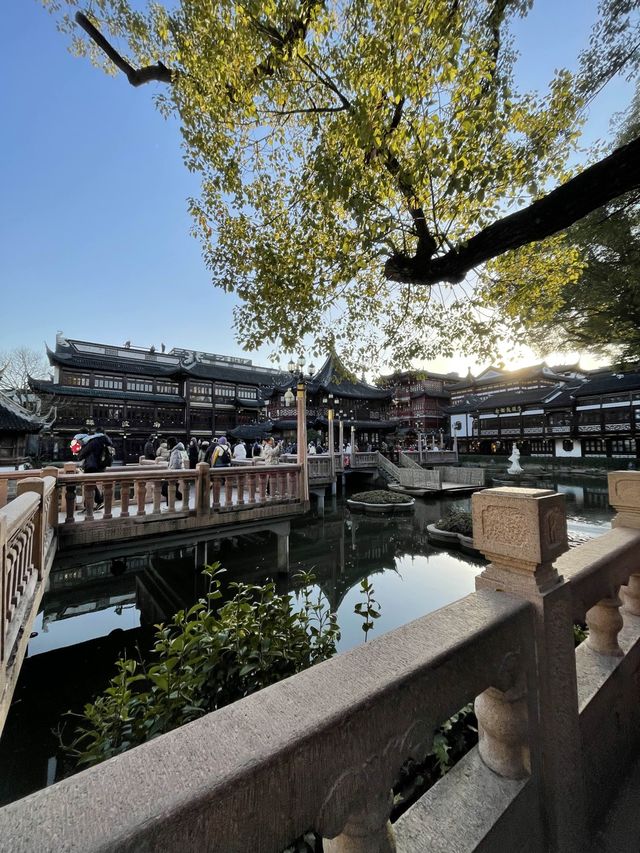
131 393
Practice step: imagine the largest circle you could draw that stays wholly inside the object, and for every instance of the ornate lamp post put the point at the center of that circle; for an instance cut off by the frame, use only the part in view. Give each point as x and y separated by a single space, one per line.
331 402
296 369
156 426
125 427
90 423
341 415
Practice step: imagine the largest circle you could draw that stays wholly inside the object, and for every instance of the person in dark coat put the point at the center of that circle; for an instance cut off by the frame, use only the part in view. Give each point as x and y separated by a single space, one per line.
95 459
193 453
150 448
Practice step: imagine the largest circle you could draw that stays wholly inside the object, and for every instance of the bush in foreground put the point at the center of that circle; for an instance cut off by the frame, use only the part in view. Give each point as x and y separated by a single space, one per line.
206 658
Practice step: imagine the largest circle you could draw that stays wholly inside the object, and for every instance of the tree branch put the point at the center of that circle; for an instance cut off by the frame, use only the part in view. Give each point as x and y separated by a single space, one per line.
136 76
608 179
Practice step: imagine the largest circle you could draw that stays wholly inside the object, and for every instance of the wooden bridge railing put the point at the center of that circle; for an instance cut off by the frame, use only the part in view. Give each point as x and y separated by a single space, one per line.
27 548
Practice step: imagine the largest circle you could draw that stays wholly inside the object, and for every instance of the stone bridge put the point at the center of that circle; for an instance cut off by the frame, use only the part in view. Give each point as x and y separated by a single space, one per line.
559 727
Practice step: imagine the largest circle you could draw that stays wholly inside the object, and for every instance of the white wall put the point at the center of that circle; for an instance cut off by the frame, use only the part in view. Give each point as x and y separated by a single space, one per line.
467 425
574 454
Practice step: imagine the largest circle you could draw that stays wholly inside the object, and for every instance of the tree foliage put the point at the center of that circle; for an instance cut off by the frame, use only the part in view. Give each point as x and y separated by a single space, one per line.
353 155
598 308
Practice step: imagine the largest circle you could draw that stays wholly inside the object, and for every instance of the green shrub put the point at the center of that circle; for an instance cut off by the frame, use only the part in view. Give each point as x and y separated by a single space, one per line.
380 496
204 659
456 521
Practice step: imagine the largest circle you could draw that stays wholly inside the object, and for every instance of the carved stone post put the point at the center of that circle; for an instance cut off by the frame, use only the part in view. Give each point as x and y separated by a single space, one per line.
366 831
203 488
624 497
522 531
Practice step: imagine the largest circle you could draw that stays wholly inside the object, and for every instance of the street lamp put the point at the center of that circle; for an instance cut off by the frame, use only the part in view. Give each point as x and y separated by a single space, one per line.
125 427
90 423
296 369
156 426
330 401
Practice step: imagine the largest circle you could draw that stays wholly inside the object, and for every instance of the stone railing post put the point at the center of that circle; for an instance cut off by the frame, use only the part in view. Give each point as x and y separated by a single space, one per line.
3 599
624 497
521 532
37 485
203 488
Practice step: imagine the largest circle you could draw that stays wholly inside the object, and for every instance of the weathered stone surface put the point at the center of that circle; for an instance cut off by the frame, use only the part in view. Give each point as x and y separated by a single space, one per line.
311 751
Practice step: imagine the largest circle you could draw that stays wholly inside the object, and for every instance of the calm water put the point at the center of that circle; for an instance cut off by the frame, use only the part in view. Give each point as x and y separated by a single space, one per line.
98 607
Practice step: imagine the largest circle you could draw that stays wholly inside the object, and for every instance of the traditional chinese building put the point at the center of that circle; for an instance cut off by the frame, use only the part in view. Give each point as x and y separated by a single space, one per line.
132 392
354 401
19 430
419 400
548 411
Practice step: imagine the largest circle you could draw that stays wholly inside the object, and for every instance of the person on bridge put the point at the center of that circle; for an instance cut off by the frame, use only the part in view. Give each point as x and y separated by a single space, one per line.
96 456
221 455
149 448
240 451
193 453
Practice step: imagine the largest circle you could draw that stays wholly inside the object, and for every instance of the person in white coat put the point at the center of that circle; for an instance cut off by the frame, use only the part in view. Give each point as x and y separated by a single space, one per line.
240 451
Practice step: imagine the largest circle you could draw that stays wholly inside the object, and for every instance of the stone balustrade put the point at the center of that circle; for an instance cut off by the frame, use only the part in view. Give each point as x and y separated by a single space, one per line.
27 548
9 483
149 500
558 726
320 750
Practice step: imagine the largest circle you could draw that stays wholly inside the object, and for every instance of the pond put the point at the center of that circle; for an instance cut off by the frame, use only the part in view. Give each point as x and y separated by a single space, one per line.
97 608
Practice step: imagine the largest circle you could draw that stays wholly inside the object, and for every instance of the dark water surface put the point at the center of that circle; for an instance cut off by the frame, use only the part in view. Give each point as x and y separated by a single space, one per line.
100 605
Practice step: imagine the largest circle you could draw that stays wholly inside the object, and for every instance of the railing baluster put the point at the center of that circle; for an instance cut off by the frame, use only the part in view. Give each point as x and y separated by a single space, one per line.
70 500
141 497
124 499
215 492
262 487
251 479
172 488
241 479
228 492
605 623
89 500
108 499
366 831
157 496
186 493
631 596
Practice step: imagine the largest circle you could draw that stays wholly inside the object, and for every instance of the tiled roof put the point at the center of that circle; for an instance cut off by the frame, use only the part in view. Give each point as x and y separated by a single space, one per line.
442 395
469 404
532 372
46 387
82 361
68 356
335 379
13 418
613 383
516 398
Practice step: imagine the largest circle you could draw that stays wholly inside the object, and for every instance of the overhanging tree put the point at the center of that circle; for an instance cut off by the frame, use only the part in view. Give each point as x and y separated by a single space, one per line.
359 159
599 310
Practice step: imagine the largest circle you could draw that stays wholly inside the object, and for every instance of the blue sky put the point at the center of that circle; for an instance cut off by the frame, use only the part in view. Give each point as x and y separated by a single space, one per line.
94 230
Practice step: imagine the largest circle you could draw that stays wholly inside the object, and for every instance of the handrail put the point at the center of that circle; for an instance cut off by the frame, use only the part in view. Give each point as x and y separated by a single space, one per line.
26 537
380 705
